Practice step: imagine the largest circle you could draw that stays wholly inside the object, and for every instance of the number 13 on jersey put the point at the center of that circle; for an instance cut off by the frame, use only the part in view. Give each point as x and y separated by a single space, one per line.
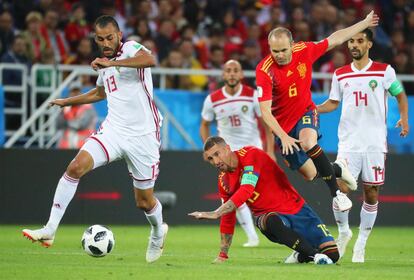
111 84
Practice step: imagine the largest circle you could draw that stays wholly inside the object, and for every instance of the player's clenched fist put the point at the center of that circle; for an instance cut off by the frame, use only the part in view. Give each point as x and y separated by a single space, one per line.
100 63
57 102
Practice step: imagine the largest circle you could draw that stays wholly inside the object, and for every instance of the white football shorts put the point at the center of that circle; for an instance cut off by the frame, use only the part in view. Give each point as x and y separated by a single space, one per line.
141 153
371 166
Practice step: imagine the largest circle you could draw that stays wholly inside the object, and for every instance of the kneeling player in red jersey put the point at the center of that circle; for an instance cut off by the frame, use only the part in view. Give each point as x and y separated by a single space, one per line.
282 215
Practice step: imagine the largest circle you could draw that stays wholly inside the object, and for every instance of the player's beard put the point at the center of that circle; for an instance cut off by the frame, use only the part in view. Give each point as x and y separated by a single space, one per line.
232 85
358 54
113 51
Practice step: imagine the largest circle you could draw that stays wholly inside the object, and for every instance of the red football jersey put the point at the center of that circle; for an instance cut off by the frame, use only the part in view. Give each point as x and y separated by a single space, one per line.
259 182
288 86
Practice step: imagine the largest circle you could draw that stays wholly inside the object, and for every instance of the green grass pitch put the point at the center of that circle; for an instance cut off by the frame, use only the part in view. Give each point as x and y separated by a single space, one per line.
188 254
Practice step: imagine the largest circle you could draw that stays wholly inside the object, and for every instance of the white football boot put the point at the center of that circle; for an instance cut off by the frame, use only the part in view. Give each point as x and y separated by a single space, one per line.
251 243
292 258
342 241
347 177
41 235
156 245
322 259
358 255
341 201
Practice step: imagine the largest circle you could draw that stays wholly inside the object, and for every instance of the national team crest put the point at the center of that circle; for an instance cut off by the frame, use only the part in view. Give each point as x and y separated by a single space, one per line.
373 84
244 108
302 70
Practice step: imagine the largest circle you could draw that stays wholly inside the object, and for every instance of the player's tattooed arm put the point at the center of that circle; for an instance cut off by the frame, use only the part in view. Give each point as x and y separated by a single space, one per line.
225 208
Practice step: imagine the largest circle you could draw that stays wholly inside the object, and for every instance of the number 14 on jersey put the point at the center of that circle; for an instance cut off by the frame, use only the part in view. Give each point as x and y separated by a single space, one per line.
360 98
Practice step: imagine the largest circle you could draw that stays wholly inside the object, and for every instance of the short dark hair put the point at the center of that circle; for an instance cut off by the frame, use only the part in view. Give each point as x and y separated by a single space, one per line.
104 20
369 34
213 140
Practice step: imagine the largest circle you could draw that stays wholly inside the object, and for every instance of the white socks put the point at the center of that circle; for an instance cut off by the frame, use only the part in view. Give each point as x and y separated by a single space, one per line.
64 193
244 217
368 216
341 219
154 217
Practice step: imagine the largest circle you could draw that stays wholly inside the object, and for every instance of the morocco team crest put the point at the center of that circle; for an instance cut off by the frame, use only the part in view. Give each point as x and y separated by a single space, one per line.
244 109
373 84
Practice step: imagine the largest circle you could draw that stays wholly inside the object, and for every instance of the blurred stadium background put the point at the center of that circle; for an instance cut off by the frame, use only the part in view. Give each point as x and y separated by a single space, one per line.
45 50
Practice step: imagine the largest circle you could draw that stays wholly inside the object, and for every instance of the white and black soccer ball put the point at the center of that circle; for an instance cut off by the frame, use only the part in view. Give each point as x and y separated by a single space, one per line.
98 241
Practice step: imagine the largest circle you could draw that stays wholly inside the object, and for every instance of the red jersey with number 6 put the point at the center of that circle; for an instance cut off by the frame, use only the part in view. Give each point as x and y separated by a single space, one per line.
259 182
288 86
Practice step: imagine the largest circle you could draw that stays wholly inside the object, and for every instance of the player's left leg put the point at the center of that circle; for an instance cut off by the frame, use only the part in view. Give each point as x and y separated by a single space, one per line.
274 228
308 135
244 217
308 224
373 176
152 208
368 216
142 158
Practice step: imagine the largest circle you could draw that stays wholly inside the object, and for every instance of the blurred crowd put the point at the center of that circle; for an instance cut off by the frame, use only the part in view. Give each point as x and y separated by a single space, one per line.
199 34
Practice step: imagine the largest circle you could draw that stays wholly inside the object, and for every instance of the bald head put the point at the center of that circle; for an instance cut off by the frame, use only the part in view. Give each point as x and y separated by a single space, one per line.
232 73
280 44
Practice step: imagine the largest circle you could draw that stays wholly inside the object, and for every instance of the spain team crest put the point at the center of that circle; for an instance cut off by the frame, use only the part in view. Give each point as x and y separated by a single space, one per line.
302 70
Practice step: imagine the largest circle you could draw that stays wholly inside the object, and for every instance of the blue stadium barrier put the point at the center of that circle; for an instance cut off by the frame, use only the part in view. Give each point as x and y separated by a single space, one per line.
186 106
2 119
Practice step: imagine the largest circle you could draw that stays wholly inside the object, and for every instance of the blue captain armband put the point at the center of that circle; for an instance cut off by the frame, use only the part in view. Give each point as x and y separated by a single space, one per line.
396 88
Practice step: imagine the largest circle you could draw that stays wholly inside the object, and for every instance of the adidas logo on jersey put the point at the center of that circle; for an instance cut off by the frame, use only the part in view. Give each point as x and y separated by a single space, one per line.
346 85
289 73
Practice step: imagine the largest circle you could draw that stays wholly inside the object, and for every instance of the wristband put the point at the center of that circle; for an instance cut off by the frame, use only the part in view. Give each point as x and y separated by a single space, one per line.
223 255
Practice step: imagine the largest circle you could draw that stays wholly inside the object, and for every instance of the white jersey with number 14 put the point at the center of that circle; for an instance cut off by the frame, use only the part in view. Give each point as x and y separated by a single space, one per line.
364 93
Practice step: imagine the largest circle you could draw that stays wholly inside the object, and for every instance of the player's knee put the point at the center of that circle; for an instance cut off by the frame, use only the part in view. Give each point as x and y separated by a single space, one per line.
145 204
76 169
331 251
307 144
371 195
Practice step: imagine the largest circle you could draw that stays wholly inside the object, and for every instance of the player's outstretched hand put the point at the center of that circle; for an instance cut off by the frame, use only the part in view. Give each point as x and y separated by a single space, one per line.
204 215
405 129
372 19
289 144
100 62
58 102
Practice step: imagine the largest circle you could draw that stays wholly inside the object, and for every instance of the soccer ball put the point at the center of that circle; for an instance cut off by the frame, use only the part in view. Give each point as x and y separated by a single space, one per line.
98 241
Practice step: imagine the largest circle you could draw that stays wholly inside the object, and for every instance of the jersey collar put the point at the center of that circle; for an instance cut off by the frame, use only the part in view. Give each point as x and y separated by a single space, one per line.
354 69
228 95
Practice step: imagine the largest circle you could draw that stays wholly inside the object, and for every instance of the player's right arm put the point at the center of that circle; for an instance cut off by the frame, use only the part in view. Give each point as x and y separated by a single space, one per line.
335 97
204 129
328 106
288 143
92 96
264 90
207 116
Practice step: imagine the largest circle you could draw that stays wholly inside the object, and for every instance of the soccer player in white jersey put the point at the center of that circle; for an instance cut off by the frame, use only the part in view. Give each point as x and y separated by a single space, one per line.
363 86
130 131
236 109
